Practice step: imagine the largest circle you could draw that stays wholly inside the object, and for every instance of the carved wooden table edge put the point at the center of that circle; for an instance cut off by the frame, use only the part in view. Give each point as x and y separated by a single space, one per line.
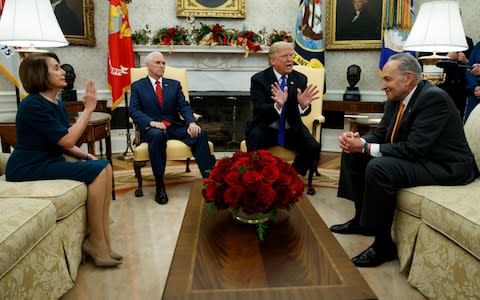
180 277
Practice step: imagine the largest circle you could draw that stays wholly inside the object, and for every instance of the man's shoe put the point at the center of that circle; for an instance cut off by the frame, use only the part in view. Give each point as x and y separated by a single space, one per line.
161 196
350 227
372 258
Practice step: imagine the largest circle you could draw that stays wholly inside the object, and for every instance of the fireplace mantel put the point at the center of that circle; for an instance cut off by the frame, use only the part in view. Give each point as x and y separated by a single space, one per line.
217 68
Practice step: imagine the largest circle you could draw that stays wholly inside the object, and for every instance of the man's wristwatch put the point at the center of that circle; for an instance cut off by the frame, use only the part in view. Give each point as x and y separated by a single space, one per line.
365 148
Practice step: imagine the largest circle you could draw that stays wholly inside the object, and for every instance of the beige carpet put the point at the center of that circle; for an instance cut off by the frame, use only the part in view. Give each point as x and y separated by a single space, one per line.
175 174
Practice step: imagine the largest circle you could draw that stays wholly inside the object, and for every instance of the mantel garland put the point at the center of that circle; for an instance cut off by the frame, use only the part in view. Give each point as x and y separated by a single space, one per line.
210 35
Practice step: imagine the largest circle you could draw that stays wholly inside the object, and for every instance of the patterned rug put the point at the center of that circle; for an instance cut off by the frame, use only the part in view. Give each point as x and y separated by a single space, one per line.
175 174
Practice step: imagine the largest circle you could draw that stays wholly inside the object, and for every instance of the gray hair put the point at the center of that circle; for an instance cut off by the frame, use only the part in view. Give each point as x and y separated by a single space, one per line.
150 56
408 63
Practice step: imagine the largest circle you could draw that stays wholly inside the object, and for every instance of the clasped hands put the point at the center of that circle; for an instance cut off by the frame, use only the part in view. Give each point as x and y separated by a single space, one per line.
350 142
193 129
304 98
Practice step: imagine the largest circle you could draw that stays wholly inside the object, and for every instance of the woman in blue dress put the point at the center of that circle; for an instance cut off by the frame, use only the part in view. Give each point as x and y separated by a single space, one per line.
44 134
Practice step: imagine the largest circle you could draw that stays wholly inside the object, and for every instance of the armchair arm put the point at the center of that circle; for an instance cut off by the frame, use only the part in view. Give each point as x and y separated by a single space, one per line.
317 124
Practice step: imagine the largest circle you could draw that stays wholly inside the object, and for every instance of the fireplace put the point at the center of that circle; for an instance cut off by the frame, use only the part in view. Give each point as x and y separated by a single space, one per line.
224 116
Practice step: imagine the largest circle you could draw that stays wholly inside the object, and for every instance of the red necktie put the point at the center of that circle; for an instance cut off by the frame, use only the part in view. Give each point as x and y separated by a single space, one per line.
159 92
397 122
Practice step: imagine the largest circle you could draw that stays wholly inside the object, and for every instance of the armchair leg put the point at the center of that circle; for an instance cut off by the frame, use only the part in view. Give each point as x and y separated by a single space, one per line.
187 165
137 166
313 169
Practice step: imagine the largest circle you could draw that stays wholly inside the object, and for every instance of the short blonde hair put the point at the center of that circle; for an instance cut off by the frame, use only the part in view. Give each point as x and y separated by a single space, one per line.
274 48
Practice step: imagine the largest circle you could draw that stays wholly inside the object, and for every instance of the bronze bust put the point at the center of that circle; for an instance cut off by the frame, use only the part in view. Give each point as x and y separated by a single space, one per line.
352 92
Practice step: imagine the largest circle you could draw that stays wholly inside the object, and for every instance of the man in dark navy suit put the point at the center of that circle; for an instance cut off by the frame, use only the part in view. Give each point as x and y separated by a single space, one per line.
419 141
156 106
272 102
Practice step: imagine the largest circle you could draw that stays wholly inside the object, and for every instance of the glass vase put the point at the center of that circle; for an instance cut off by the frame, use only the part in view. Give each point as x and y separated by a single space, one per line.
256 218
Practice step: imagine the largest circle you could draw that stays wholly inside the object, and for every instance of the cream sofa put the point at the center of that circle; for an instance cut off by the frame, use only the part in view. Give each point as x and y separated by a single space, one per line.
42 226
437 232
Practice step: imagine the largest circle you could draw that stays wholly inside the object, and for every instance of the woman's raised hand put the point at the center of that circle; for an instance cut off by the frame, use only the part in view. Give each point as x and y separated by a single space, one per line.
90 96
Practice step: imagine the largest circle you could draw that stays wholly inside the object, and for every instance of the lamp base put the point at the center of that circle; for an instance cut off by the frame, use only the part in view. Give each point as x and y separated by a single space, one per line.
431 72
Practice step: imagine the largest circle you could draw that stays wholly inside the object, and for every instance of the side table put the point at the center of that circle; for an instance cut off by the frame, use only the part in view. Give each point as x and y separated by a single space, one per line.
364 123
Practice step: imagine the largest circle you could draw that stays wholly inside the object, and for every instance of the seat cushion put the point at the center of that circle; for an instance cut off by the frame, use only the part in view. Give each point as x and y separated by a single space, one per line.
409 200
66 195
24 223
455 212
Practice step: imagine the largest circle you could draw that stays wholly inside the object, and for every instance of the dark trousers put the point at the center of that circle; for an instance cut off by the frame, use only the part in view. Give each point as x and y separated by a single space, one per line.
299 140
157 145
372 183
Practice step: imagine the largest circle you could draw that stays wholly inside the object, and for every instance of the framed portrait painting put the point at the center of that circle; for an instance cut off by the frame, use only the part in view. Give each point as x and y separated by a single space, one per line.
211 8
75 18
354 24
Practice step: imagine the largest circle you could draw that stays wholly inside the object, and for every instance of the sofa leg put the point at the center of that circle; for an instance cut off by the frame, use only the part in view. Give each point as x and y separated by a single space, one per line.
137 166
187 165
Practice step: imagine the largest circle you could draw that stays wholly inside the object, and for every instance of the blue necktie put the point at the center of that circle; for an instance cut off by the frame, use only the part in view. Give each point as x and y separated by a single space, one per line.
282 119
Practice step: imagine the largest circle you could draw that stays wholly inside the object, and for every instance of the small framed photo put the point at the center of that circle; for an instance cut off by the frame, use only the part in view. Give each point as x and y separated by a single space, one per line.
211 8
75 18
354 24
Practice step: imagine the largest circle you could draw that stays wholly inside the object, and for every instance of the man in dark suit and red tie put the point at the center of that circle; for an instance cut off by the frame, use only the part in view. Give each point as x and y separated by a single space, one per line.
156 106
419 141
280 97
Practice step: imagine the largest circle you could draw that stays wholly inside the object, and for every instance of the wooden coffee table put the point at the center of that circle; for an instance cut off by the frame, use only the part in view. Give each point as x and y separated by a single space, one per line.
217 257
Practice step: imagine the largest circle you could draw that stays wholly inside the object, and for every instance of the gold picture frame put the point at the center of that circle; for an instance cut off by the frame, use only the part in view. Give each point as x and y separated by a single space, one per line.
341 32
76 21
211 8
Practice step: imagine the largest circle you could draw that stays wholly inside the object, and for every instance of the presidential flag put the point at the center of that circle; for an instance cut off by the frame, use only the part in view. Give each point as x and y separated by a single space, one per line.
10 62
398 22
309 44
120 51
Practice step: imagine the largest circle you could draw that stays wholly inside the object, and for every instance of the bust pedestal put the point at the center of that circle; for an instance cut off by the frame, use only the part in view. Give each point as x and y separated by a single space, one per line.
352 94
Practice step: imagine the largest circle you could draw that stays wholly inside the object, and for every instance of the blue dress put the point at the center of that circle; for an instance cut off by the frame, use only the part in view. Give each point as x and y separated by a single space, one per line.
40 124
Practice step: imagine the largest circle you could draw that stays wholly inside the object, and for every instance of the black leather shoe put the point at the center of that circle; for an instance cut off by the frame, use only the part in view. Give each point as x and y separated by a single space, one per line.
350 227
372 258
161 196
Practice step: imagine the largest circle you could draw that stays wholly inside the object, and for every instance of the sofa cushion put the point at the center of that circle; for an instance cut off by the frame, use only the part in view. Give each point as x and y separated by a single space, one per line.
409 200
66 195
455 212
24 224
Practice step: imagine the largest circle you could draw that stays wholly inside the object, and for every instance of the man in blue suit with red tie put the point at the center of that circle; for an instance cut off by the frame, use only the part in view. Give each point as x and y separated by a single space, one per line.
156 106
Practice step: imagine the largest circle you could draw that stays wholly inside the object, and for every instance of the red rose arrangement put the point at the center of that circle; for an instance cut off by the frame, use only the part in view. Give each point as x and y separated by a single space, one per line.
256 182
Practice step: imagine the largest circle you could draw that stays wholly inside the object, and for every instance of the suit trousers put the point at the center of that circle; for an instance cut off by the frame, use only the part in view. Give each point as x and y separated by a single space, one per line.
373 183
299 140
157 146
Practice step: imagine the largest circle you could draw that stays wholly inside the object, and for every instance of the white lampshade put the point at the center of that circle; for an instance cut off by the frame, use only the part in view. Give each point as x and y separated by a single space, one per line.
438 28
30 23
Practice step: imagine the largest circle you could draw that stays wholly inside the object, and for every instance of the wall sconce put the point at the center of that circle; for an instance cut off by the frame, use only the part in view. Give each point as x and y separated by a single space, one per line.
438 28
30 24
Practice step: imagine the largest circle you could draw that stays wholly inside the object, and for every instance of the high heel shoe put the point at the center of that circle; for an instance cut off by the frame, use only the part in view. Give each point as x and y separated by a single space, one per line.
115 255
99 262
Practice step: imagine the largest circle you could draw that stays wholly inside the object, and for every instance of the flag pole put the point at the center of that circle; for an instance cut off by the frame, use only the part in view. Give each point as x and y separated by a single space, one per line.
17 94
128 154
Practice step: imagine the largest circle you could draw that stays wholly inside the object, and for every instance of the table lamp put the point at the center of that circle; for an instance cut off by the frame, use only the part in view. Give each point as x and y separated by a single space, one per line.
438 28
30 24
